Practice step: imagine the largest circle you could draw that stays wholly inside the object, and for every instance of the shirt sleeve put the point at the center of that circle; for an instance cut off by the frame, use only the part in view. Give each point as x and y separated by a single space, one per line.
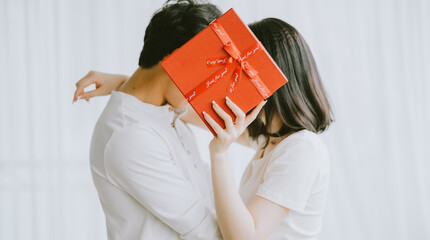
140 162
290 174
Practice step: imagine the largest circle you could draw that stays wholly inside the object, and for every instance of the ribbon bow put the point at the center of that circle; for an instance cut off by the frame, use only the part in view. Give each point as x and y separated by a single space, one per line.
235 58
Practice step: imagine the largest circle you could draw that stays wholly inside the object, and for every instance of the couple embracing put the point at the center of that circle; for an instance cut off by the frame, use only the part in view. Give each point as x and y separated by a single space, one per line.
150 179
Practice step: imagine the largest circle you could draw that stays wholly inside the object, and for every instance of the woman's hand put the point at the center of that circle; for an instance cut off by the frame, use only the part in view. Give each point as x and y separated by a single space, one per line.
104 82
225 137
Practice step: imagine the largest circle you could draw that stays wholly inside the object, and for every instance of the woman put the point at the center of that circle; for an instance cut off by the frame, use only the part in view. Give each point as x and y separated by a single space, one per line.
283 190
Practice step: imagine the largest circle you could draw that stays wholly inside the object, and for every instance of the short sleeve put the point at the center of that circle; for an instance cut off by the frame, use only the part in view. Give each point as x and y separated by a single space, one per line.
140 162
290 174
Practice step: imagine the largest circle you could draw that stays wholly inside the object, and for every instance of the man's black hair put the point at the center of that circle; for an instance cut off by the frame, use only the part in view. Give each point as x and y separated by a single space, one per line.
172 26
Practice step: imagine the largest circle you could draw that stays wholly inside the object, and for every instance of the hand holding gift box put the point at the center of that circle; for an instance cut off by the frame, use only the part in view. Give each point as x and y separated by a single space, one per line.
224 60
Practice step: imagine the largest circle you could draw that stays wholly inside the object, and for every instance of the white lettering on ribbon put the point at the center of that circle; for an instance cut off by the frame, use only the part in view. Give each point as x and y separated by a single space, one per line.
262 89
213 80
258 47
216 61
249 53
217 29
191 97
248 70
233 84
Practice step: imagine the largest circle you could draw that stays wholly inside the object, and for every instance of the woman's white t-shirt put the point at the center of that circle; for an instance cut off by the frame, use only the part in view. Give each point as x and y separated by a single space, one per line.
295 175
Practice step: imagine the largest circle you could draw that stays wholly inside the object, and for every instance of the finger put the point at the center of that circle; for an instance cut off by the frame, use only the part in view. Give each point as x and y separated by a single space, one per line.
78 92
253 115
240 115
82 84
215 126
227 119
90 94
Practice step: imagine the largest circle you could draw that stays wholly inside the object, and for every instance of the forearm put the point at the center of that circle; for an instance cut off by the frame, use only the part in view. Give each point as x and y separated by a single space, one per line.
234 218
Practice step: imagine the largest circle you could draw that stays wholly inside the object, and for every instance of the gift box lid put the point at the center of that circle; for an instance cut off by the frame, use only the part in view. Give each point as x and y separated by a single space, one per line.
224 59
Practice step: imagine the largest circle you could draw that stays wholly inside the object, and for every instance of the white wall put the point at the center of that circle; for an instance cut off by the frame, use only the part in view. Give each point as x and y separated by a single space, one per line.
374 58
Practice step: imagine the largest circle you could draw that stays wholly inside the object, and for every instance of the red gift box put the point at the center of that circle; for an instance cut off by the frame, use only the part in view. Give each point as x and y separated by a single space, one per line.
225 59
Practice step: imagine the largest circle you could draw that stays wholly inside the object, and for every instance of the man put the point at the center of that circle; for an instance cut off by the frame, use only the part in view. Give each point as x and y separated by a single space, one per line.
150 179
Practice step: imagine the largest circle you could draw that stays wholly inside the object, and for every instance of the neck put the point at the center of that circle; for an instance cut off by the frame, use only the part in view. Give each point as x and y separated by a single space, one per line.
147 85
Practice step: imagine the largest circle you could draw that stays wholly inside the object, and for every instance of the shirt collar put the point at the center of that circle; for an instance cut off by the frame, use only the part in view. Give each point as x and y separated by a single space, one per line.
166 111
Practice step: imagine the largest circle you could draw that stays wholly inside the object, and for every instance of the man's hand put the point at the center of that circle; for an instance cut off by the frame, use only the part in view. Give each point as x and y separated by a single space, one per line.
104 82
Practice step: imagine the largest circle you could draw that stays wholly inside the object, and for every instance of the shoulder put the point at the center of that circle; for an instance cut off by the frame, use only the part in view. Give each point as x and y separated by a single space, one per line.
303 145
303 140
136 149
135 140
139 132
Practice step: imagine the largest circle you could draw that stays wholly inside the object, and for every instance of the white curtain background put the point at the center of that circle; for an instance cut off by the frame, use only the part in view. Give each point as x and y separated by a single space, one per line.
373 56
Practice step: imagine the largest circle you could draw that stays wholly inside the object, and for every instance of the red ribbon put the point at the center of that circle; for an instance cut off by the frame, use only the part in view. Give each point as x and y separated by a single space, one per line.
235 58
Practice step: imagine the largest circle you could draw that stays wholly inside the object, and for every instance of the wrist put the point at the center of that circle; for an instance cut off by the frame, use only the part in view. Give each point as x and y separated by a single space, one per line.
122 79
218 155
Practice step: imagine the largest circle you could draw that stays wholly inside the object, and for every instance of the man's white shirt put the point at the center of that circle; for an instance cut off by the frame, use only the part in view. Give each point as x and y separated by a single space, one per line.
148 173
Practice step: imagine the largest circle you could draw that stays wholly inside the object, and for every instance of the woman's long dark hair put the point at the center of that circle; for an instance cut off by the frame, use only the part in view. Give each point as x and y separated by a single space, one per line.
302 102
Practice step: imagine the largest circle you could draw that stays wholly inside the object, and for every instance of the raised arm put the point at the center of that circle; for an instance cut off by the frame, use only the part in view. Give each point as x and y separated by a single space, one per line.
105 83
236 220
